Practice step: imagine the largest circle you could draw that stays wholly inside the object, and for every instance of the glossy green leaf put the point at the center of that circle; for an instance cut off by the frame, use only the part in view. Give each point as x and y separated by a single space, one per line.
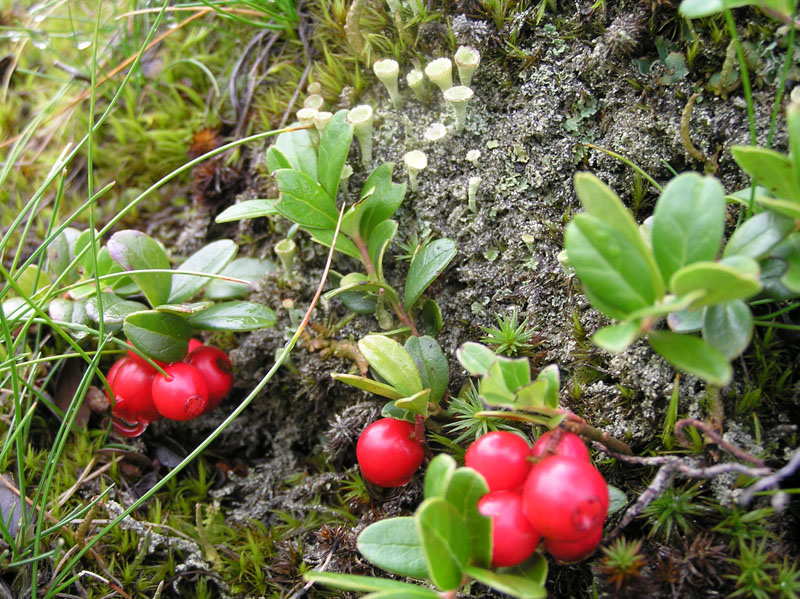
516 586
494 389
793 125
369 385
234 316
688 222
465 489
303 201
246 269
431 364
721 282
343 244
667 305
379 239
353 582
551 375
600 201
431 316
333 148
428 264
160 335
32 279
210 259
728 327
772 270
115 309
417 403
771 169
542 392
476 358
444 540
389 410
686 320
756 236
617 338
298 149
534 569
616 499
516 371
393 544
392 362
612 269
133 250
247 209
438 475
693 355
786 208
379 200
186 308
276 159
789 251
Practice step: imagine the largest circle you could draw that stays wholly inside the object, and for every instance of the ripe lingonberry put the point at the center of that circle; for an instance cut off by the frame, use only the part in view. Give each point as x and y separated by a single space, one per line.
569 444
513 538
182 394
131 383
569 552
194 344
387 452
501 458
215 367
565 498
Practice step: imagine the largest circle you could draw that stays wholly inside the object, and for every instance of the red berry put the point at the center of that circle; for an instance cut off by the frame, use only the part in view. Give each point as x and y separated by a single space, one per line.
501 458
131 383
194 344
565 498
215 366
568 552
182 394
513 538
387 453
570 445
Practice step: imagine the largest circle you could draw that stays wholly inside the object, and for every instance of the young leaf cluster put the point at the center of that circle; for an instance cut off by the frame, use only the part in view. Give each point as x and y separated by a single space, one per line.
139 293
447 543
308 179
676 267
412 376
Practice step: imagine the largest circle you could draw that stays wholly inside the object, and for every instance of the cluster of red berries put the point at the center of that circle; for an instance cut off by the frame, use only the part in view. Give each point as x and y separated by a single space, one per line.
191 387
548 492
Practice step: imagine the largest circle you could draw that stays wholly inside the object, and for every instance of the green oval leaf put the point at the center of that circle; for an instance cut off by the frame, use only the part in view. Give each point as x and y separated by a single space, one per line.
476 359
444 540
379 240
365 384
771 169
247 269
115 309
247 209
438 475
728 327
516 586
186 308
297 148
392 363
210 259
416 404
160 335
688 222
303 201
613 270
616 499
758 235
233 316
616 338
334 146
431 316
133 250
431 364
466 487
693 355
720 282
428 264
393 544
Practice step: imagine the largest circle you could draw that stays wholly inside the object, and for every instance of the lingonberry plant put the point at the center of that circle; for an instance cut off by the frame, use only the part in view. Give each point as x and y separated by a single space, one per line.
675 265
308 180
